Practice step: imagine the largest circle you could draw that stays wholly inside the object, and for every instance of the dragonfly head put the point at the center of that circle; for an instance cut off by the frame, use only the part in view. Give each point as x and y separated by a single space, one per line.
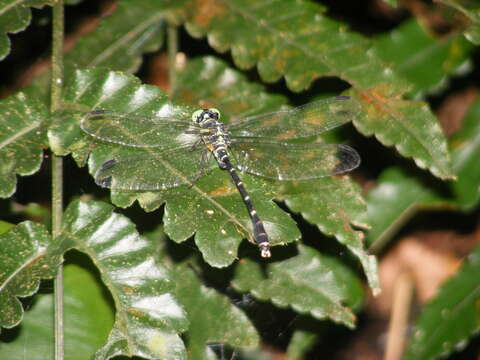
204 117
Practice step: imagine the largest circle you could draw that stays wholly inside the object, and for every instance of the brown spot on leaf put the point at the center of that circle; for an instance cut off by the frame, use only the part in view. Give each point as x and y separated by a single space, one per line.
128 290
136 313
379 101
287 134
222 191
206 10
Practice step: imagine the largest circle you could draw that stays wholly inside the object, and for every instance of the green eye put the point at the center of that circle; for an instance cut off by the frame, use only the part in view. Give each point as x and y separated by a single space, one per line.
196 115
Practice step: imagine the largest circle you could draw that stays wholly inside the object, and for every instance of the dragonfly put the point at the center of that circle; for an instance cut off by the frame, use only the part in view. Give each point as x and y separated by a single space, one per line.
173 149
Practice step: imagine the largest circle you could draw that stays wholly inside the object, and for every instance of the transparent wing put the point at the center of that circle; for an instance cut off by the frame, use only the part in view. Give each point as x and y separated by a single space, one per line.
304 121
156 170
287 161
138 131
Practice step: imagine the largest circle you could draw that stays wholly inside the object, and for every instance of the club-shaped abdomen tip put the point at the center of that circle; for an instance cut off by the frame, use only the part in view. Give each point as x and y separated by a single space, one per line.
264 250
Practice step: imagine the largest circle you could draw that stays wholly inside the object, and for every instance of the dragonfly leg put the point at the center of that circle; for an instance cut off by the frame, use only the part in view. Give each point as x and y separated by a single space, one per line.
204 158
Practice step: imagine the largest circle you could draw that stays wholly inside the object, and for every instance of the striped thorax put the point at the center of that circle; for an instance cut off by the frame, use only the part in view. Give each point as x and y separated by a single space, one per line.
213 133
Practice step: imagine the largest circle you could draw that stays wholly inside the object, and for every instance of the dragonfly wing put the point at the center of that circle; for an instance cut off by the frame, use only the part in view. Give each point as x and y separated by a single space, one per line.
304 121
287 161
153 170
138 131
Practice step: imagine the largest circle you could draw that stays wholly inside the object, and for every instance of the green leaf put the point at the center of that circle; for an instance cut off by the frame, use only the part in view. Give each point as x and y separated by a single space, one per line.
395 199
292 39
118 43
465 146
451 318
15 17
224 88
121 39
309 283
301 342
216 213
97 88
286 38
5 226
25 259
22 139
425 61
333 204
471 10
88 319
392 3
398 195
410 126
212 208
213 318
148 318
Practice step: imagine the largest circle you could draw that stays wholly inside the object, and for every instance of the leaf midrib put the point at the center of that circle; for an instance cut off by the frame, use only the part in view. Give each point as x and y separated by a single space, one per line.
25 264
317 56
126 38
202 193
458 306
9 6
18 135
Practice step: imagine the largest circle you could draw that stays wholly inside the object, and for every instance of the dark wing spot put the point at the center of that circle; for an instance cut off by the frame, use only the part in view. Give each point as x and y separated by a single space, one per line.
109 164
97 112
348 159
105 182
342 97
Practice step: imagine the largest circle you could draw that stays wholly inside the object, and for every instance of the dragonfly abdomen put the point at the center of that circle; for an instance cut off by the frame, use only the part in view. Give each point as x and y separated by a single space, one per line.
259 234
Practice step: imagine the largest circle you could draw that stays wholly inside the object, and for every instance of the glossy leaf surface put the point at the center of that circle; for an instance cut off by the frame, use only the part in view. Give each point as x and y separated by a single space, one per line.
333 205
309 283
399 195
117 43
148 318
427 62
22 139
296 41
213 318
286 38
395 199
451 318
88 319
410 126
15 16
465 146
212 208
25 259
121 39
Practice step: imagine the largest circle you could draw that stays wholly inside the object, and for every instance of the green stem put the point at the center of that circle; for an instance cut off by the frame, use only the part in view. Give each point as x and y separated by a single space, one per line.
57 165
172 44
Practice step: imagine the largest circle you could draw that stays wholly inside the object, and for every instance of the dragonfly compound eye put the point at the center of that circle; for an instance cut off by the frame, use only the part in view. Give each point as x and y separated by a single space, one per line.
258 145
213 114
197 116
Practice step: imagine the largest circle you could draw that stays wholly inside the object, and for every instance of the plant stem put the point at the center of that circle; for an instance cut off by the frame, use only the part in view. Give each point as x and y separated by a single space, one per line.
57 165
172 45
402 300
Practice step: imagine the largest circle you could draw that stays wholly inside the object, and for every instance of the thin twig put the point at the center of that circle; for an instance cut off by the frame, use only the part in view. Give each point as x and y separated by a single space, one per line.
57 165
402 299
172 45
